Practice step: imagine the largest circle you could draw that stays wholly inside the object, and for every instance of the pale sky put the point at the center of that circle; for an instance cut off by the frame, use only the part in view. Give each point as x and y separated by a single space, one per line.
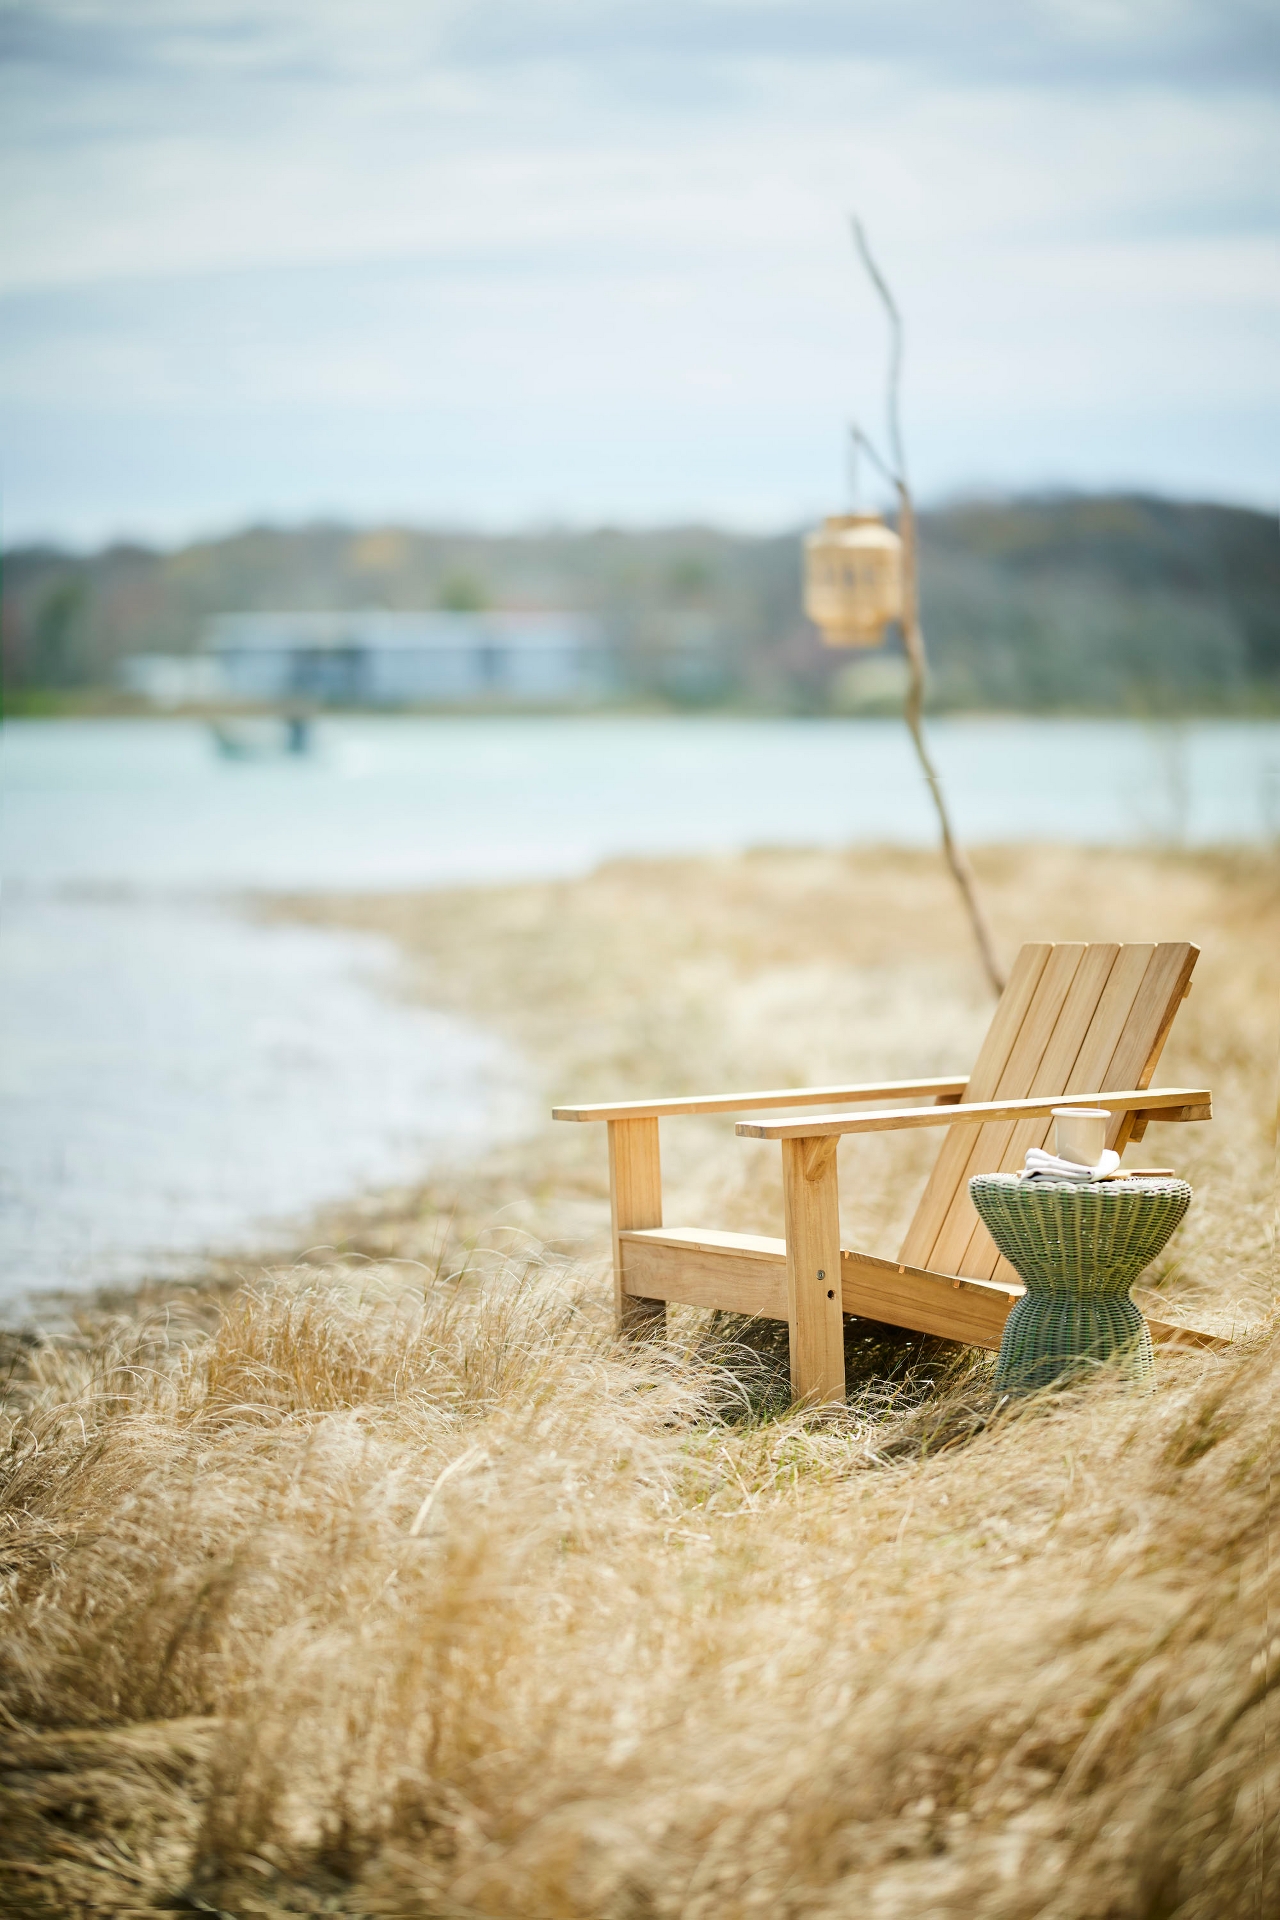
587 260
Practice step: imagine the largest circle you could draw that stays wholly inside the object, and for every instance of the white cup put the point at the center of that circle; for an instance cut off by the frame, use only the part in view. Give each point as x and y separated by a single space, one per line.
1080 1134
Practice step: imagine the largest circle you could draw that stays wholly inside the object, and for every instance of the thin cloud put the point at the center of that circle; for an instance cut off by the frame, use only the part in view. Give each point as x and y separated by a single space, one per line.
1195 44
591 258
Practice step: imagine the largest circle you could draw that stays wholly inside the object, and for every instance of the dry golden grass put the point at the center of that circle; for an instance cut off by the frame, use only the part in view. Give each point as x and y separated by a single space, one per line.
383 1589
393 1601
794 969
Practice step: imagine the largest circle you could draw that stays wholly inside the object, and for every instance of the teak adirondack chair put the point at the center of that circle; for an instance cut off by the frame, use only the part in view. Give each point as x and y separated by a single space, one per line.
1077 1025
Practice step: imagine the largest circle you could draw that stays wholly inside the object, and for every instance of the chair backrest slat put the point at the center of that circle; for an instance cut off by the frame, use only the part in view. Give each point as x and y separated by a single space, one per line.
1073 1017
985 1083
964 1245
1112 1018
993 1058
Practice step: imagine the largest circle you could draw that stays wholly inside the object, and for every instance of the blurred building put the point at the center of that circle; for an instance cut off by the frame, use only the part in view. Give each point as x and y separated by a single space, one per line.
172 679
382 659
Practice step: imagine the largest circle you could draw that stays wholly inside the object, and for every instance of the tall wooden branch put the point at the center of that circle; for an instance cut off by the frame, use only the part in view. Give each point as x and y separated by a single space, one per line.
912 632
913 708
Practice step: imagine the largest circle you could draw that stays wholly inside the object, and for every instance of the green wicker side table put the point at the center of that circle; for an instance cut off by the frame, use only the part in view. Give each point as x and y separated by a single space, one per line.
1078 1248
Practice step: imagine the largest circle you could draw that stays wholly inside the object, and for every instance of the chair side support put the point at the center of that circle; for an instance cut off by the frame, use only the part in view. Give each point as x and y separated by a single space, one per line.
815 1309
635 1202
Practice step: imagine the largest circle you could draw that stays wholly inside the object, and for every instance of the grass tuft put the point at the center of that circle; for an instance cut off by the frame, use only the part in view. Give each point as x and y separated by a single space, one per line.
431 1599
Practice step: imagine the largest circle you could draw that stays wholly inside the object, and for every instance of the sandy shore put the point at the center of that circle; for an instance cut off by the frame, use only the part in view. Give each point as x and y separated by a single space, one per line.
789 968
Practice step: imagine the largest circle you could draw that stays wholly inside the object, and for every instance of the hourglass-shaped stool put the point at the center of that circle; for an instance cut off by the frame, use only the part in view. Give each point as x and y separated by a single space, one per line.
1077 1248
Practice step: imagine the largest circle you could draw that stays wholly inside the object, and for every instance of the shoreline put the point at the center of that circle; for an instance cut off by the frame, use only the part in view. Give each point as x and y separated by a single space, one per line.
183 1081
517 1613
765 968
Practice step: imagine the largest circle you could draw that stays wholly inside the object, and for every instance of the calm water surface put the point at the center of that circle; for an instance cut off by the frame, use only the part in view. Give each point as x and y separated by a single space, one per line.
176 1076
409 802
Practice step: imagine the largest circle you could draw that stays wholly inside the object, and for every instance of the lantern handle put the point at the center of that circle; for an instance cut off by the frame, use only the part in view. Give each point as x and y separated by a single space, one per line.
863 440
854 473
890 305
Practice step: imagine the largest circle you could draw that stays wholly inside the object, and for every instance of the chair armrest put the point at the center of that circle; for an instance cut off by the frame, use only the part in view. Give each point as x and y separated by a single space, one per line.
1152 1103
948 1089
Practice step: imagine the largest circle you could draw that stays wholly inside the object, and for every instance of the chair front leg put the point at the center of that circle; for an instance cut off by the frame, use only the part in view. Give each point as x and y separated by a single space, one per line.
815 1315
635 1202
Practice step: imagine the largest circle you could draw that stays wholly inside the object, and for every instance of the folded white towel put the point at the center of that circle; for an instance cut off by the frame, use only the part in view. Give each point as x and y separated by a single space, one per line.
1047 1166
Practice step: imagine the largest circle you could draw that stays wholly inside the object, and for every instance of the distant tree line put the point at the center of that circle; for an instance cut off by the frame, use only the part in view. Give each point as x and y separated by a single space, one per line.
1084 603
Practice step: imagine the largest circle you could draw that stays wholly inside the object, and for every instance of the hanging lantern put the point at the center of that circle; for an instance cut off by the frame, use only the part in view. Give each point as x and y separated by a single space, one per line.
853 579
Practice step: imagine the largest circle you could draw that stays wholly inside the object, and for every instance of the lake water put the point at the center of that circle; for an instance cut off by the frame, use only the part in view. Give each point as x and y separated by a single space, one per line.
174 1077
177 1076
413 802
